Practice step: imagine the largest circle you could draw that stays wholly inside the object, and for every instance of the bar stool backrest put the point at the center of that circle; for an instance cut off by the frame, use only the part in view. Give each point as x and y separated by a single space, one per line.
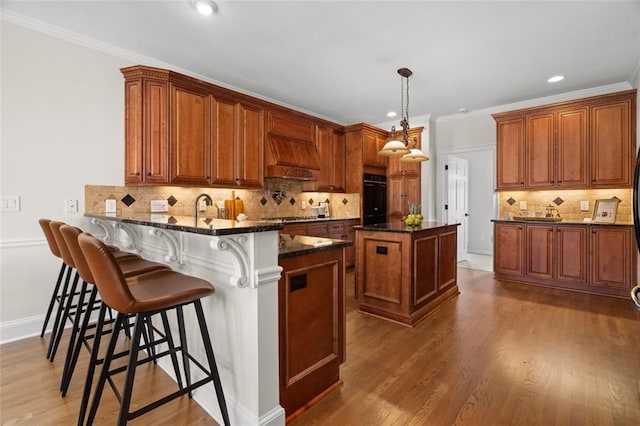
70 235
45 224
108 276
62 245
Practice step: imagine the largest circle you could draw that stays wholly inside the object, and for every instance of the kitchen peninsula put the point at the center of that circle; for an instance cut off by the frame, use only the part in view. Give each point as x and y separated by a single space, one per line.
278 336
403 273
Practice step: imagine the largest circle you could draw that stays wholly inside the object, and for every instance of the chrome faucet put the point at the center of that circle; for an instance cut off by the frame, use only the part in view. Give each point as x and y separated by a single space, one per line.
208 201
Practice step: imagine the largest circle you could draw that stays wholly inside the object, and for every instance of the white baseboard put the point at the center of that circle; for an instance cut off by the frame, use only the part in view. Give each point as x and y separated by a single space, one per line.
11 331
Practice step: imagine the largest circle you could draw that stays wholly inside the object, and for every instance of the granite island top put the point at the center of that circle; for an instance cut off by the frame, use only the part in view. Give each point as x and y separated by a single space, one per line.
560 222
401 227
205 225
297 245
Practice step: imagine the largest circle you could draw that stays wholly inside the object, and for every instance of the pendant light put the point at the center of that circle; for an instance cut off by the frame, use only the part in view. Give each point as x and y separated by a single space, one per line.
401 147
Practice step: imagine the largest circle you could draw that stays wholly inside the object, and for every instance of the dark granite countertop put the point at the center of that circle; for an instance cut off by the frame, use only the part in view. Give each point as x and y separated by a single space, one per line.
297 245
401 227
205 225
305 219
561 222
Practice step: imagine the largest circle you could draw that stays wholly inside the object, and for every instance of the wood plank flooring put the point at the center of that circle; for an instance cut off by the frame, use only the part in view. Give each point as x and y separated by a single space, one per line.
500 353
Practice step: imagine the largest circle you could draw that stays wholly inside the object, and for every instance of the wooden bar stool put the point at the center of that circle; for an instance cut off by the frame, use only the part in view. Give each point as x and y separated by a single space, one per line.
148 295
131 266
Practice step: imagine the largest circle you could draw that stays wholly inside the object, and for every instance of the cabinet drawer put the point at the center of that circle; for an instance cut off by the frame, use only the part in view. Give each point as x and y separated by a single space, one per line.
336 227
294 230
318 230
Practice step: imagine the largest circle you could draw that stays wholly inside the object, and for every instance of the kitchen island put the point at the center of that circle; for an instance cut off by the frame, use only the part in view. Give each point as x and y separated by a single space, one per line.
240 259
404 273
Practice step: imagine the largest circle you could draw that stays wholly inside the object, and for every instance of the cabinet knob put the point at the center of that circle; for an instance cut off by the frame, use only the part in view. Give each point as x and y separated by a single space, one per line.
148 173
137 173
208 177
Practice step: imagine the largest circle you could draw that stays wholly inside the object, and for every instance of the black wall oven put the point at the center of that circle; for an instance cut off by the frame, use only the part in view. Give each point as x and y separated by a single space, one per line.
374 199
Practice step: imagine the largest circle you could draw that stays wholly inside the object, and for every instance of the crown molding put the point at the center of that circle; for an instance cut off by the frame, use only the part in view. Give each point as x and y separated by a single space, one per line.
562 97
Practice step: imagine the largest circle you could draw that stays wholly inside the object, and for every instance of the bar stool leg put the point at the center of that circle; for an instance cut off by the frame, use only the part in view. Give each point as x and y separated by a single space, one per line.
54 297
61 304
93 363
57 336
106 364
184 351
81 311
204 331
172 348
123 417
72 354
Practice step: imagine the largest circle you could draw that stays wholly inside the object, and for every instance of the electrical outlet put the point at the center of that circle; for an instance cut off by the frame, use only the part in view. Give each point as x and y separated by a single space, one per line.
158 206
584 206
10 204
71 206
523 205
110 206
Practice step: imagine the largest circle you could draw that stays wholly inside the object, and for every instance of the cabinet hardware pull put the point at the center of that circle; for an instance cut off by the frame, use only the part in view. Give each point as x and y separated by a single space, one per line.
148 173
137 173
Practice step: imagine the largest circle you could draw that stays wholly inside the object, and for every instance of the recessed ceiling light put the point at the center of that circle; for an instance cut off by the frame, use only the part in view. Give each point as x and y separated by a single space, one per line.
555 78
392 114
204 7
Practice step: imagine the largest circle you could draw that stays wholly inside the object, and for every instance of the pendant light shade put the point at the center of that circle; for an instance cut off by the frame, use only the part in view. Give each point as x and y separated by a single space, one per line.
401 147
414 156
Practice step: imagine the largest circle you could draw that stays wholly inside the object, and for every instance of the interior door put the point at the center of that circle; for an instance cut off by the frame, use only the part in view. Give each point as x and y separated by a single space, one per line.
457 200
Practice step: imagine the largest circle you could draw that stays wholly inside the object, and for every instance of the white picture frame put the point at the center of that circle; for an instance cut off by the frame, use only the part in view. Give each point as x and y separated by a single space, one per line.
605 211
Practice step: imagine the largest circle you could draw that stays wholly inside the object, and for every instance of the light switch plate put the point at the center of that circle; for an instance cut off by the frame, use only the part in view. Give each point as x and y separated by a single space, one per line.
158 206
523 205
71 206
10 204
584 206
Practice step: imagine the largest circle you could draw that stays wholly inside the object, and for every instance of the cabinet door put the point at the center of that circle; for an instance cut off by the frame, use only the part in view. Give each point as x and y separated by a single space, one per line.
225 142
508 249
156 132
324 136
540 151
338 172
447 256
573 139
572 253
611 257
510 154
539 243
133 122
190 136
372 143
611 146
251 147
395 167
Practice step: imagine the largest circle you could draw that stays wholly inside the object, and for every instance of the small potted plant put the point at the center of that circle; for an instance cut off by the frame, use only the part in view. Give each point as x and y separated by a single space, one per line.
415 217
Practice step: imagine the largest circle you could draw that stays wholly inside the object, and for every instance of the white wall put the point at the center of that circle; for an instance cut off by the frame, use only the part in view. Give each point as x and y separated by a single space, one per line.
62 127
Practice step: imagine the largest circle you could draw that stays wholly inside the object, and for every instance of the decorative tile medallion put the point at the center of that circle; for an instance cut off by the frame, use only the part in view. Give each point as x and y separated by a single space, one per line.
263 201
128 200
511 201
172 201
345 201
558 201
292 201
311 201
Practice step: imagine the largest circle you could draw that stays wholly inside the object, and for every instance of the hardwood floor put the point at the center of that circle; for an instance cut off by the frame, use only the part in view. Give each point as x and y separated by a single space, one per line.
500 353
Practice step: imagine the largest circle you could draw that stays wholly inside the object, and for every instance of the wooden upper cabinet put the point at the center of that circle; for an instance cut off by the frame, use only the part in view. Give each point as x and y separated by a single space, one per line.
573 145
238 143
587 143
510 151
146 129
190 136
372 142
250 158
611 144
331 148
539 151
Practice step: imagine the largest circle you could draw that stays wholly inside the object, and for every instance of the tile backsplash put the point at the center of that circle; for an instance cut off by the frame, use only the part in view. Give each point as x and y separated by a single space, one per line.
566 201
280 197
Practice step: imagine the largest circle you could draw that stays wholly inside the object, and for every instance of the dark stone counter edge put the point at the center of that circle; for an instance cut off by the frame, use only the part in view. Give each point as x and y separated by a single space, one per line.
311 249
562 222
393 227
238 228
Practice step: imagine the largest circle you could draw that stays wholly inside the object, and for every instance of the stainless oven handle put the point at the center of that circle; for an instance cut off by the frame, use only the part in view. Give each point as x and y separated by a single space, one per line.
635 295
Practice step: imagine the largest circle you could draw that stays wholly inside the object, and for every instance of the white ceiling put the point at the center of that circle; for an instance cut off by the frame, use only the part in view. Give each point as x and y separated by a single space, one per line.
338 59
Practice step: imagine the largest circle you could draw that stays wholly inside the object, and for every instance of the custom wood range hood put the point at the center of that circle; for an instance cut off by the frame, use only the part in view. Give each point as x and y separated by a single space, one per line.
291 150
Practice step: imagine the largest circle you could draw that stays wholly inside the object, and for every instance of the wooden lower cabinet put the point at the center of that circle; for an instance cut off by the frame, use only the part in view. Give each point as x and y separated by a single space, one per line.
311 313
590 258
